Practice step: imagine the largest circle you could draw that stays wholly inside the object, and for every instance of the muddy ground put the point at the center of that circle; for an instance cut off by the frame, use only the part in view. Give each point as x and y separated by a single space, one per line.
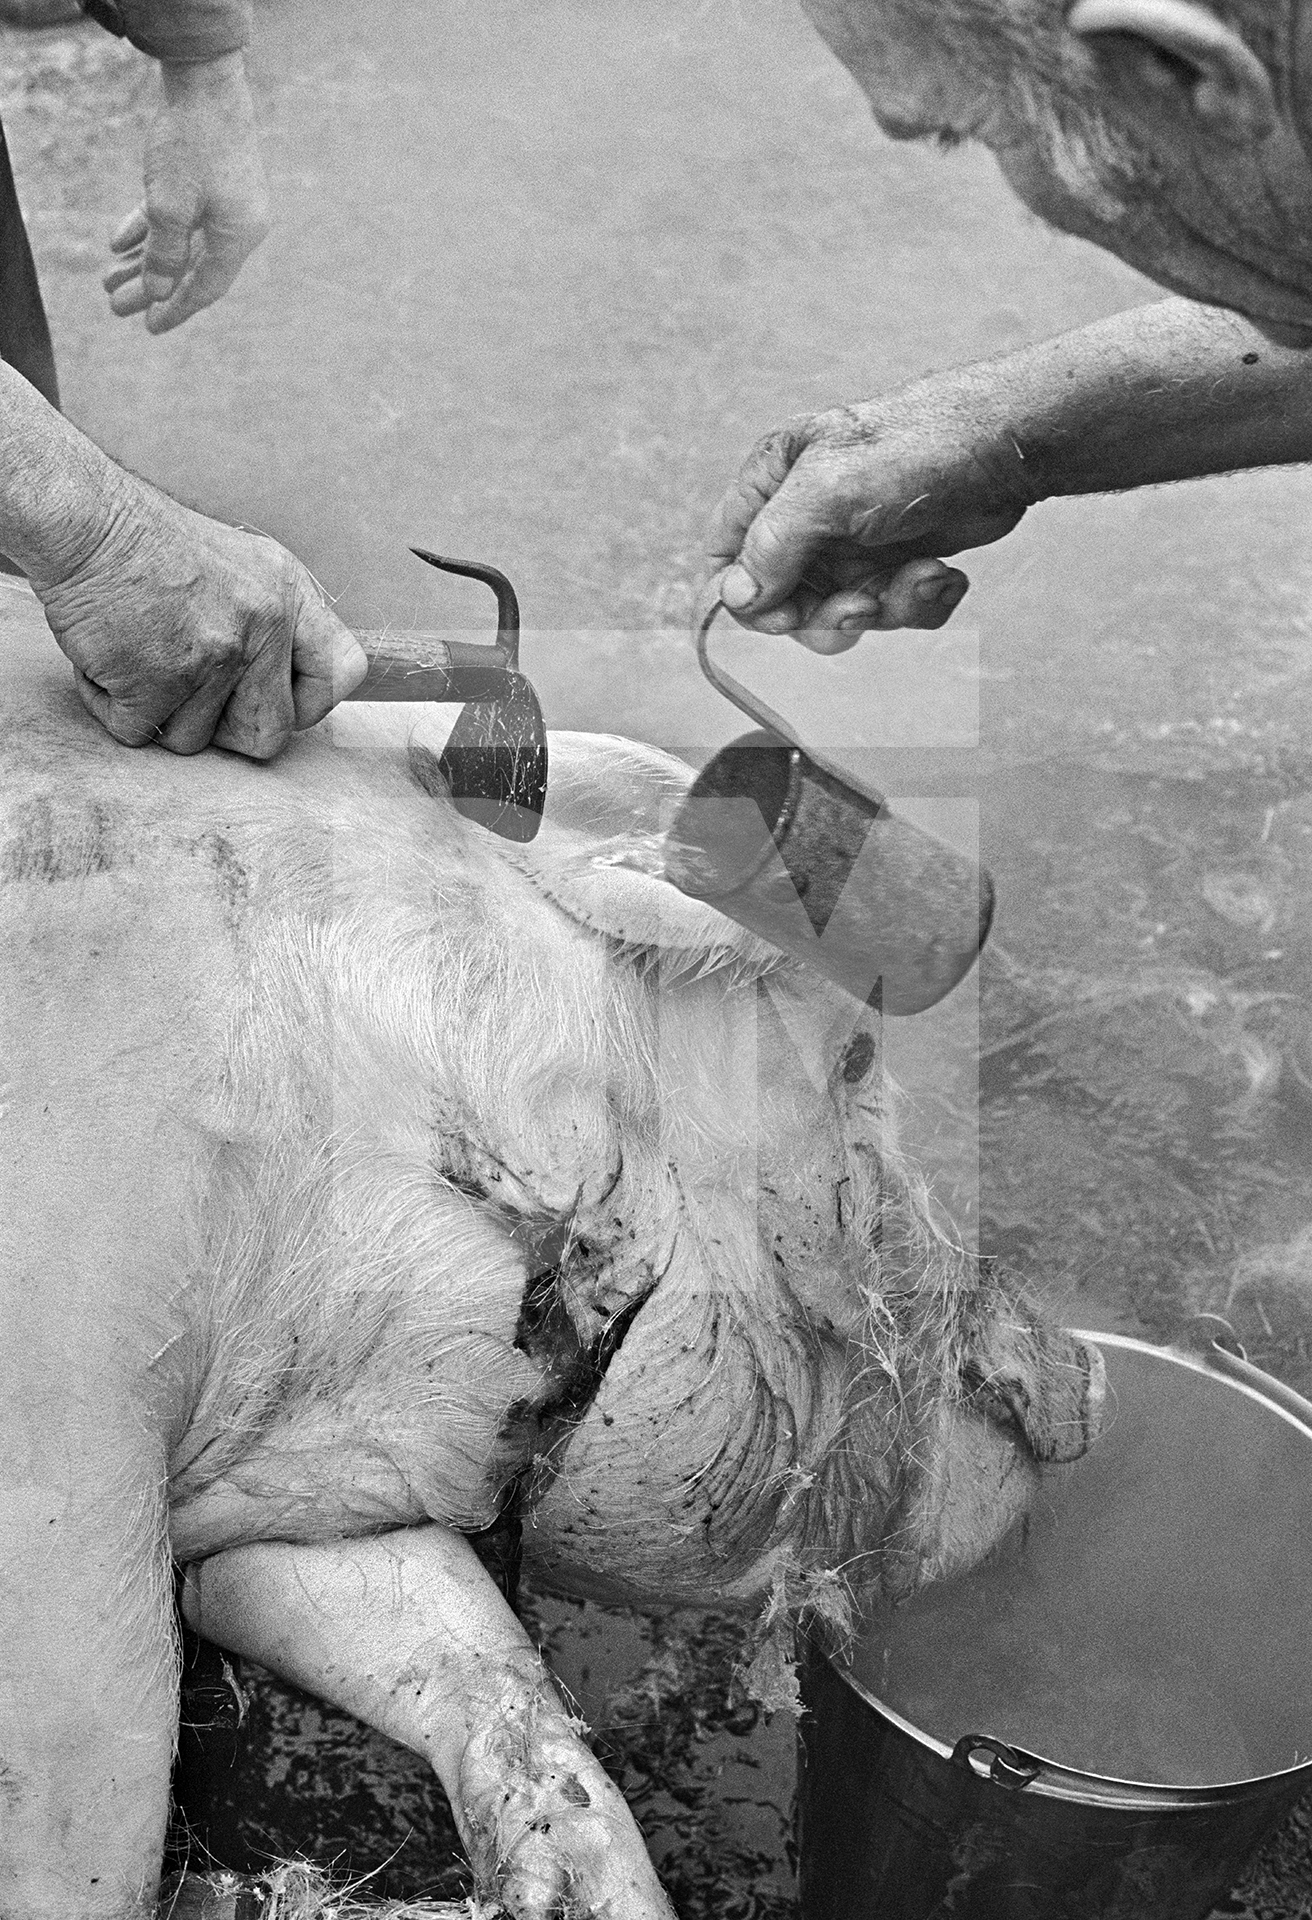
540 277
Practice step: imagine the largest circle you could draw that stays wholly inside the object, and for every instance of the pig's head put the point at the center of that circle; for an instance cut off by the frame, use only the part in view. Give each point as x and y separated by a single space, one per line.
1176 133
770 1357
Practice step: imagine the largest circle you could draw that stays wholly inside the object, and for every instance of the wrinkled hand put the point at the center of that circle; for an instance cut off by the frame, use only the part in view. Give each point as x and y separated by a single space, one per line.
207 204
184 631
836 523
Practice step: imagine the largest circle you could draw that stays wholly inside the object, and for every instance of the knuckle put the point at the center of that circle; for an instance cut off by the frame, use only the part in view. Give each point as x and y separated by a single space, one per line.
223 651
777 450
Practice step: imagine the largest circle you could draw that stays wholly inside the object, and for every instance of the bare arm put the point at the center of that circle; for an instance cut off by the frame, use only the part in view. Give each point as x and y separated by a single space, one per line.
180 629
837 523
1167 392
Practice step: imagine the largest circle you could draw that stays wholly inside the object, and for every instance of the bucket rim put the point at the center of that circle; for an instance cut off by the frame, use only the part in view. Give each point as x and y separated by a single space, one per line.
1218 1365
1056 1779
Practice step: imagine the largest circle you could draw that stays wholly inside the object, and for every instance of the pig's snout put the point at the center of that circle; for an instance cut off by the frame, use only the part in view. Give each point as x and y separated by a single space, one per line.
1046 1384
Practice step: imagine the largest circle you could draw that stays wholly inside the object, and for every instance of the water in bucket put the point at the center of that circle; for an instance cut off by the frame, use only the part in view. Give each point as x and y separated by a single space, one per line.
1145 1623
1137 1653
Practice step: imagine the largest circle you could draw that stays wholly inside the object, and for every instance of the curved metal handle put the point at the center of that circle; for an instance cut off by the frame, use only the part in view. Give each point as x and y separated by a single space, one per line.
424 667
756 709
1010 1767
507 603
1214 1341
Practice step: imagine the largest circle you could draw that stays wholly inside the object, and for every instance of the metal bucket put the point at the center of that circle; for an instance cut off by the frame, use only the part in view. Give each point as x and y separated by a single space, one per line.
1107 1717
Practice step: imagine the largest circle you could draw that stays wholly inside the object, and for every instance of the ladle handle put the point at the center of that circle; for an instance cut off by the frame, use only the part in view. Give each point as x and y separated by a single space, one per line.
765 716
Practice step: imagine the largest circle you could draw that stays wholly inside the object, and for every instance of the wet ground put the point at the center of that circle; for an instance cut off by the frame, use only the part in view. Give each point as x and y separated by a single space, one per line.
540 277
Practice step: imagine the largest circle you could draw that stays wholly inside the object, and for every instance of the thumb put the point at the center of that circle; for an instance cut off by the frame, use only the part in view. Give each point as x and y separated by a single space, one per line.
777 547
328 662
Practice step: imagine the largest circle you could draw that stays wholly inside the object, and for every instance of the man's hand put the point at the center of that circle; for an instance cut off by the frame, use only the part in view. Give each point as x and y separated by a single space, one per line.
206 206
184 631
838 522
835 523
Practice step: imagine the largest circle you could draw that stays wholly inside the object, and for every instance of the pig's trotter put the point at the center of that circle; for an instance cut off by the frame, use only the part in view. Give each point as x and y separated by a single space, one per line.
548 1832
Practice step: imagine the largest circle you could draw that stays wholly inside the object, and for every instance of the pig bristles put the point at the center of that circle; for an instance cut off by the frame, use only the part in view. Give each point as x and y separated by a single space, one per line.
294 1890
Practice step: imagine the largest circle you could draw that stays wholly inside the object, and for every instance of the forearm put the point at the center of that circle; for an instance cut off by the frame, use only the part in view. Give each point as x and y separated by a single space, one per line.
59 494
1167 392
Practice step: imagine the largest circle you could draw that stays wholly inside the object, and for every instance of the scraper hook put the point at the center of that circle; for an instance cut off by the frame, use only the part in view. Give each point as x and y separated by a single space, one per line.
507 604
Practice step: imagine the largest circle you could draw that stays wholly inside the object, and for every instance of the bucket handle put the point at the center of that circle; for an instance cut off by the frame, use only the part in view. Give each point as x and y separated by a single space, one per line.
1009 1767
1209 1338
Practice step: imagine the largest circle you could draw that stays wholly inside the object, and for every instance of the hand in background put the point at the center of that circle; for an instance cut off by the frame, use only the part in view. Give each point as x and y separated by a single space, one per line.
206 205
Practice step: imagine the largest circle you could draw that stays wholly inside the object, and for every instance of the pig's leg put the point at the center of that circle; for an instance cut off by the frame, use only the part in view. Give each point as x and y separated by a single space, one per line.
88 1697
407 1631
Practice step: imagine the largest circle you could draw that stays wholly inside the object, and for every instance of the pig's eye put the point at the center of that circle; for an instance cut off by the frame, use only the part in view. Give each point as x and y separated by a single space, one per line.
858 1057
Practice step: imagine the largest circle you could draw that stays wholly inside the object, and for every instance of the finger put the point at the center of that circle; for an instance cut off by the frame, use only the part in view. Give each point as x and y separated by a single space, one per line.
208 280
260 714
195 723
778 547
921 593
789 618
135 724
129 299
167 255
130 231
121 273
828 640
924 593
759 478
328 662
163 315
765 529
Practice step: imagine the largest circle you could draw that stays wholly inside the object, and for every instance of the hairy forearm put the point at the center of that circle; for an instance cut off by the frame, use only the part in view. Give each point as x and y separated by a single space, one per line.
1167 392
59 494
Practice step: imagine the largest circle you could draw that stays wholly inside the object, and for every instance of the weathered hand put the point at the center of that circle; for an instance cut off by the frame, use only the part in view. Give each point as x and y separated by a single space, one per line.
836 523
206 204
184 631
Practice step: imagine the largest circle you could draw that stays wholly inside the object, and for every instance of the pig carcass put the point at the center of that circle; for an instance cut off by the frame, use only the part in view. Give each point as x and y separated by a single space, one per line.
361 1173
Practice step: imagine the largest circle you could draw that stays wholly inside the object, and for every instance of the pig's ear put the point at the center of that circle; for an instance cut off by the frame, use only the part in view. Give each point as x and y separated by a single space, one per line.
598 856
